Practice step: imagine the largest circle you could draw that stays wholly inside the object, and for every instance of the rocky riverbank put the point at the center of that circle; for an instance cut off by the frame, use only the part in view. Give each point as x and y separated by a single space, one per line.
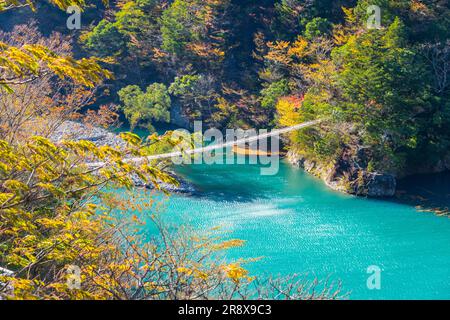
71 130
182 187
346 177
77 131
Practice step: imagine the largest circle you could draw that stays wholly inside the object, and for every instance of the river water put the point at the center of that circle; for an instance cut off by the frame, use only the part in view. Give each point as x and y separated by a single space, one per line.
297 225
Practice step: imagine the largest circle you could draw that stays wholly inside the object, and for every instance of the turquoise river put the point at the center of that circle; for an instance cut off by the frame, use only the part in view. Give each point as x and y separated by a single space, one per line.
296 224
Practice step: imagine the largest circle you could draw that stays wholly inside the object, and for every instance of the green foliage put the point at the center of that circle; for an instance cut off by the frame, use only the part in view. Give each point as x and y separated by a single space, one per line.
133 15
271 94
317 27
175 27
381 88
197 93
141 108
328 146
133 31
381 75
105 39
184 85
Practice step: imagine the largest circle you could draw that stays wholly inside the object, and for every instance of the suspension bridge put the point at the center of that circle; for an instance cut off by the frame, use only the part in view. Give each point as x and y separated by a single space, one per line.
227 144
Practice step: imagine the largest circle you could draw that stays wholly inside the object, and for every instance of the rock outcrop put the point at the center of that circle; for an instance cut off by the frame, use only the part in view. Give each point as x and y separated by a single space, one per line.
71 130
346 176
178 118
182 187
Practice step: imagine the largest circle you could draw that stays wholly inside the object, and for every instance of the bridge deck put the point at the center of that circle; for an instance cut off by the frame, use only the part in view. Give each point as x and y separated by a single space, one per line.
227 144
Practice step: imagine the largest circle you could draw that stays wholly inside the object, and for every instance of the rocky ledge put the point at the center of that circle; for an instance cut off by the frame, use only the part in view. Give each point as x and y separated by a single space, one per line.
345 177
182 187
77 131
71 130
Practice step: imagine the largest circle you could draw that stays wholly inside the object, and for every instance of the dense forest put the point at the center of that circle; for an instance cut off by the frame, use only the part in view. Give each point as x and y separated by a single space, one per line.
382 89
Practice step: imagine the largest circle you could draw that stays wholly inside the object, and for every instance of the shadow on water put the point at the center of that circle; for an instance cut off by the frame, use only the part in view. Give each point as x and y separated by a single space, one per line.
220 184
428 193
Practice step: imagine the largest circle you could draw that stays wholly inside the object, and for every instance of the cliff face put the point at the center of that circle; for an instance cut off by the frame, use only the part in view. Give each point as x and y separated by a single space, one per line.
178 118
346 176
